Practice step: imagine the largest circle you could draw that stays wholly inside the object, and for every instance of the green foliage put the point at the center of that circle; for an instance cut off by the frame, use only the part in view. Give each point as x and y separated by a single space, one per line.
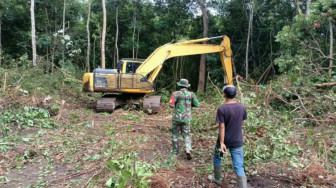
165 95
304 43
24 118
36 81
204 116
128 171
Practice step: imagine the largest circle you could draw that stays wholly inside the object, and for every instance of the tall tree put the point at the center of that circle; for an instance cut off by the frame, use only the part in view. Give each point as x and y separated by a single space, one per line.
308 8
116 50
331 47
103 36
248 40
202 68
0 39
63 33
33 37
1 13
88 39
133 36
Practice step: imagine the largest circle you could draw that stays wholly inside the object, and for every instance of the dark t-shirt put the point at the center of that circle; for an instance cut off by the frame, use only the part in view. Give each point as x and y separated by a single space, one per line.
232 115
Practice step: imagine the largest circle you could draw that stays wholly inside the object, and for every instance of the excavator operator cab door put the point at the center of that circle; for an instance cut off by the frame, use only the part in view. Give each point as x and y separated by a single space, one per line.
130 66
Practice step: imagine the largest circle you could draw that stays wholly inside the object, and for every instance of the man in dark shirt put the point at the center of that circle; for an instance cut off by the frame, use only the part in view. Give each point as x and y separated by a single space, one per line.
230 118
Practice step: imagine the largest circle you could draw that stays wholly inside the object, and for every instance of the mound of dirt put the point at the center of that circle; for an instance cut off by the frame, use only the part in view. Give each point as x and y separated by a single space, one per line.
157 181
315 174
185 171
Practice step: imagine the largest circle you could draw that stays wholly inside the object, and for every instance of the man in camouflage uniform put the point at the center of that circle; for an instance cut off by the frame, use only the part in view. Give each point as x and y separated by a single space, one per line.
182 101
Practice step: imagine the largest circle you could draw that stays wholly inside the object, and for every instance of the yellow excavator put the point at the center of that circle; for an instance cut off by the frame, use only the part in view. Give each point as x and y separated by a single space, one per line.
134 79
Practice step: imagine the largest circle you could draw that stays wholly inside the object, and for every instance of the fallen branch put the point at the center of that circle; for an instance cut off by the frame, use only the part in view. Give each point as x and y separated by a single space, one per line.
241 93
266 71
310 119
220 93
325 84
208 129
12 144
311 114
72 176
282 99
100 171
60 111
199 165
138 124
162 119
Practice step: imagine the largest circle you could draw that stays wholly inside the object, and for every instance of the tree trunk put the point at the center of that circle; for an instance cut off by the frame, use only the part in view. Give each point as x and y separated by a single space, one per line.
308 9
88 39
94 53
116 50
0 40
248 40
54 45
32 14
63 51
47 31
103 37
202 68
136 54
331 48
298 9
133 37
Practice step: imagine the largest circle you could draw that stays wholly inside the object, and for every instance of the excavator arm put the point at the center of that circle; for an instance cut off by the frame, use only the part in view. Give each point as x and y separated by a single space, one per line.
153 64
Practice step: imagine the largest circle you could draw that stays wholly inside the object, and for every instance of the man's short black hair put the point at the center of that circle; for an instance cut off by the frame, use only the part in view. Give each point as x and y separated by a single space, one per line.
230 91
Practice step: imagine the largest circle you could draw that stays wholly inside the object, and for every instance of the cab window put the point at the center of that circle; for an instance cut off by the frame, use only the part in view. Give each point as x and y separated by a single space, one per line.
131 67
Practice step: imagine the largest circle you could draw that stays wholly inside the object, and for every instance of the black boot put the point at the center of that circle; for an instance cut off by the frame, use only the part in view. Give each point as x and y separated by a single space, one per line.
242 182
188 153
176 147
217 178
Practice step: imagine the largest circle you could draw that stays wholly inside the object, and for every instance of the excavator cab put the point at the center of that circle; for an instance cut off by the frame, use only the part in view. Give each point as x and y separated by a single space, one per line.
127 65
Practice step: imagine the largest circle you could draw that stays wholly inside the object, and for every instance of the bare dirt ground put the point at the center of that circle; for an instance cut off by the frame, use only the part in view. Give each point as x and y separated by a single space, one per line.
75 152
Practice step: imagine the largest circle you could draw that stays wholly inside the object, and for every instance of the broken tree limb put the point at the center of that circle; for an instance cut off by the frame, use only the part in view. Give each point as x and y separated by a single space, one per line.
303 106
266 72
208 129
325 84
99 172
60 111
220 94
72 176
67 77
239 89
310 119
12 144
281 98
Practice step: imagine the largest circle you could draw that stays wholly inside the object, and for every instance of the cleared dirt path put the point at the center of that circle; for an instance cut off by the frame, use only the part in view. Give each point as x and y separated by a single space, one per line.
75 152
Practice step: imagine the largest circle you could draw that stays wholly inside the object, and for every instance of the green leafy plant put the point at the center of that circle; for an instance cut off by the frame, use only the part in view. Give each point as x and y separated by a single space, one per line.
128 172
23 118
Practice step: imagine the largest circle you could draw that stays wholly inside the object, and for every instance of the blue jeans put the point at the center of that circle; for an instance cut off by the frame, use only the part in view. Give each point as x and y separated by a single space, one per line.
237 157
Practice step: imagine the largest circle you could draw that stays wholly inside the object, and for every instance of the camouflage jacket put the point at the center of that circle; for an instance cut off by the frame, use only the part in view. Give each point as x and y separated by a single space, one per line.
183 100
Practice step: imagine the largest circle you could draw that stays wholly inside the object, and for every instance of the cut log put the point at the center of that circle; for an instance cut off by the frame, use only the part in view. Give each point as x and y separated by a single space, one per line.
325 84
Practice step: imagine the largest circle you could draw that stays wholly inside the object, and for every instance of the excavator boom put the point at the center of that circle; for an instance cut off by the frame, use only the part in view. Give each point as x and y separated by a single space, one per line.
153 64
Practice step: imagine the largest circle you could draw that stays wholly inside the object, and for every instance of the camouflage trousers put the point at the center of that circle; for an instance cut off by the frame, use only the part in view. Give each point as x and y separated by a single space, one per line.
184 128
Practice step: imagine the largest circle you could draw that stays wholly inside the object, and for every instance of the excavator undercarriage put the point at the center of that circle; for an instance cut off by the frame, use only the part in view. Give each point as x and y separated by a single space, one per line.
149 104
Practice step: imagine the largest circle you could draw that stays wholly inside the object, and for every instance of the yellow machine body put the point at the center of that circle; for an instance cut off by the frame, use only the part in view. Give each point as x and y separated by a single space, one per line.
137 76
